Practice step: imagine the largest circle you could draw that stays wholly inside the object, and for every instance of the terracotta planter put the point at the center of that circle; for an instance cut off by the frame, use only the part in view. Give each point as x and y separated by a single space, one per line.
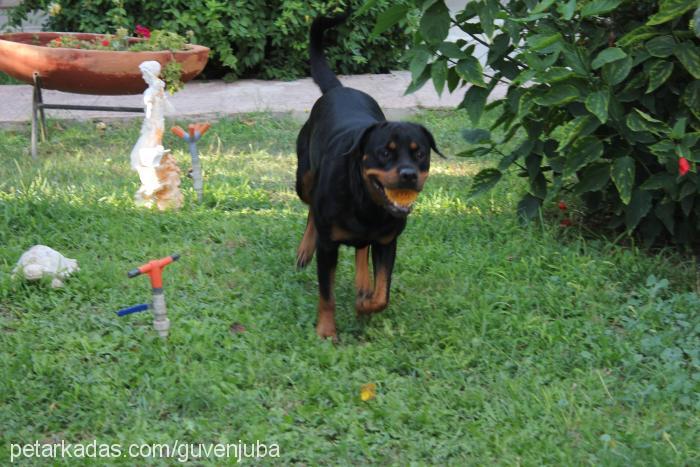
102 72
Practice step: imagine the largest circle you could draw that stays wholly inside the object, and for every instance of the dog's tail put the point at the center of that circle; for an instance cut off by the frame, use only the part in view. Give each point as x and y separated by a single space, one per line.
320 71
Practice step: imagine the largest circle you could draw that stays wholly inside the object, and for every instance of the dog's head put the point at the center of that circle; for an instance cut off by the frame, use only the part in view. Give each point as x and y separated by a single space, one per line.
395 160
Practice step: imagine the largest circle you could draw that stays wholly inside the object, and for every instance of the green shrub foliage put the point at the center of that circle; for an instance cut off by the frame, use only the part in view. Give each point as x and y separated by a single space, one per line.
605 92
265 39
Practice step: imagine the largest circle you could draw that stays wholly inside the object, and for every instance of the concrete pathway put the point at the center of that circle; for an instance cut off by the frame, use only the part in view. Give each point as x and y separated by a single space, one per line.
216 99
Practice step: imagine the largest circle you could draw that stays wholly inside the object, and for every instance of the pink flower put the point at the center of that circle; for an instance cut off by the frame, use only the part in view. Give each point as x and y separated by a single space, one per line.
683 166
143 31
566 223
105 43
563 206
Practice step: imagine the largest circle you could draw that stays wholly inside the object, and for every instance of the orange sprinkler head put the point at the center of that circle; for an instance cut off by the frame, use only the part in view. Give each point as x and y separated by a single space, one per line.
154 269
200 128
177 131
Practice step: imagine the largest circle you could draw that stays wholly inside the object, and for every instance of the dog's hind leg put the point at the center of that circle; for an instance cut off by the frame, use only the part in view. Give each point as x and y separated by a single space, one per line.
326 264
383 257
308 243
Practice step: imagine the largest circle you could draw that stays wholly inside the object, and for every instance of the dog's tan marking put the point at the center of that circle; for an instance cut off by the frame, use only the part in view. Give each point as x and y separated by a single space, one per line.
422 177
325 328
391 145
386 239
307 184
308 242
379 298
385 177
413 145
363 285
339 234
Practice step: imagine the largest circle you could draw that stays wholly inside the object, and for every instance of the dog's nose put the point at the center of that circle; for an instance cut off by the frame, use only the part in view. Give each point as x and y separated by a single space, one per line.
408 175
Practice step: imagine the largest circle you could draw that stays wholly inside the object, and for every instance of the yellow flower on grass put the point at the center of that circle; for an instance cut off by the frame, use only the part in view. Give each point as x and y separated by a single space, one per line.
54 9
368 391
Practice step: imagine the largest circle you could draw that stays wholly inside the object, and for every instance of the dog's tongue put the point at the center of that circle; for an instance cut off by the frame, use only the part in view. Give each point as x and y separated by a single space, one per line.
401 197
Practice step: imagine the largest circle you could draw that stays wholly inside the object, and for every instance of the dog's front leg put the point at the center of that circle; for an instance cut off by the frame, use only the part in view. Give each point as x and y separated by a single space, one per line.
383 257
363 284
326 262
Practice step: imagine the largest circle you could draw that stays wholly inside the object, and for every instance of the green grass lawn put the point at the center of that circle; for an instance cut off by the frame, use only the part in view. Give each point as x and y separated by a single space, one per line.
502 345
7 79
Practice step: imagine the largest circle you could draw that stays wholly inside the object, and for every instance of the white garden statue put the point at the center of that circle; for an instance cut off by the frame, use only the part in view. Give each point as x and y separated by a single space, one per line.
41 261
148 152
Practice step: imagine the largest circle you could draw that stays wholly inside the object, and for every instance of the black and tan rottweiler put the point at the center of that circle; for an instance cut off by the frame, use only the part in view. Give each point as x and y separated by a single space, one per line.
360 175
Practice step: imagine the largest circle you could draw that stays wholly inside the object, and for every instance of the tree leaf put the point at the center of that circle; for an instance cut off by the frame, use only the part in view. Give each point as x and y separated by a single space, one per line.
498 48
636 35
366 7
678 130
471 71
567 10
593 178
522 151
671 9
689 56
484 181
638 207
478 151
576 58
666 213
453 79
559 94
435 23
419 62
487 11
623 173
641 121
475 101
542 6
451 50
438 73
541 41
476 135
658 73
583 152
553 75
616 72
599 7
662 46
609 55
577 128
389 17
660 180
597 104
529 207
419 82
691 95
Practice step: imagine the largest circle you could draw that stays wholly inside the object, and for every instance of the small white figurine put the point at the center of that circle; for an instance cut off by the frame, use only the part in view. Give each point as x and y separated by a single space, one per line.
41 261
148 151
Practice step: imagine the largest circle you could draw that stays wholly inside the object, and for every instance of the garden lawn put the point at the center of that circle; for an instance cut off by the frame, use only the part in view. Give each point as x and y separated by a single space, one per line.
503 344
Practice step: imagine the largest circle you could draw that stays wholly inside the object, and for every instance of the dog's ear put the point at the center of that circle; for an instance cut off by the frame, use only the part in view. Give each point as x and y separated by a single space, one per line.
431 140
361 138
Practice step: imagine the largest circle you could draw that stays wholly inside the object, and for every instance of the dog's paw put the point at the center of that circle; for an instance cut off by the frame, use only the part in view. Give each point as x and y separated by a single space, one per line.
303 259
368 304
326 330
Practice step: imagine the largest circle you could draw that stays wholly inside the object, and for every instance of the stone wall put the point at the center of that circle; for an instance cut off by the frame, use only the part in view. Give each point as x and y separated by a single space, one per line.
33 24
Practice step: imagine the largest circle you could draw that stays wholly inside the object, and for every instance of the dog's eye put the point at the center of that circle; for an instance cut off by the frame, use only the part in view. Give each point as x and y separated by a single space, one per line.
419 155
385 154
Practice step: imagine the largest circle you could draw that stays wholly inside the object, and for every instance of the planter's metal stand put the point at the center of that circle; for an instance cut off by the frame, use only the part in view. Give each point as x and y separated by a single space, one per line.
39 118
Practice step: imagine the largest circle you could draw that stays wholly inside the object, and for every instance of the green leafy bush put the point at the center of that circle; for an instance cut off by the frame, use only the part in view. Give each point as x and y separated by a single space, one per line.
605 95
265 39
